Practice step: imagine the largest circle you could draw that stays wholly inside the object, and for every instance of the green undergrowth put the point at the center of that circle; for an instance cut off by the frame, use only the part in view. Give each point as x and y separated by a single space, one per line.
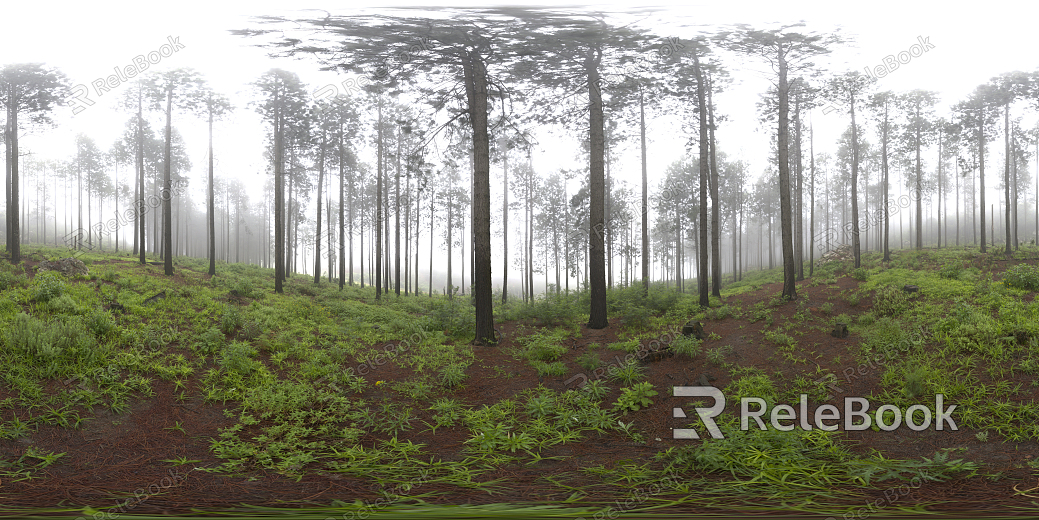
304 376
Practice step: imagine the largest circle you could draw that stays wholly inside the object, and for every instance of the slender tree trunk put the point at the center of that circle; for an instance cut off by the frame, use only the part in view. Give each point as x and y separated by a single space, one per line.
505 224
396 216
597 315
855 187
798 189
167 206
716 258
378 210
981 172
1006 177
320 195
645 196
704 175
789 289
279 199
811 217
884 167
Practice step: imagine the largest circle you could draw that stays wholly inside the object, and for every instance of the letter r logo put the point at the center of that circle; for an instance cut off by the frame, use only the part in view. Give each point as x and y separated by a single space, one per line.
706 414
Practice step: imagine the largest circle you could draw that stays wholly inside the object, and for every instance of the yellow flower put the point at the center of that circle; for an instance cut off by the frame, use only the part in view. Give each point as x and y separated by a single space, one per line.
377 383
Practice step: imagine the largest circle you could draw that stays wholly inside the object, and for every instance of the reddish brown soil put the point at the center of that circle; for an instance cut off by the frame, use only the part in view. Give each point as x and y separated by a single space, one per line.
111 456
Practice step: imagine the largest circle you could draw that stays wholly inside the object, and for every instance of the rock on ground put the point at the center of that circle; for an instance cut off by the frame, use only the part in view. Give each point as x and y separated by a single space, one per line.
66 266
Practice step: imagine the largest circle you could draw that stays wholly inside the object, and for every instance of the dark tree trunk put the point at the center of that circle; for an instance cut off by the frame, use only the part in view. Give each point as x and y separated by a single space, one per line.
716 257
855 245
981 172
1006 177
378 210
884 167
167 206
597 318
704 172
645 198
789 289
317 232
279 200
211 221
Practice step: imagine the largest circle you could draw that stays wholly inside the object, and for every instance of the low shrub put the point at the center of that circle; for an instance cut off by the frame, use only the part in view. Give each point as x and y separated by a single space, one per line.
1022 276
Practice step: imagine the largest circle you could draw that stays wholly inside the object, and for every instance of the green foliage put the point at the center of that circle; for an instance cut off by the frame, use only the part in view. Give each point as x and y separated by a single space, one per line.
635 397
951 271
826 308
551 310
238 358
781 339
7 280
860 274
596 388
916 382
756 385
717 355
243 287
230 320
628 372
63 304
686 346
545 369
1022 276
47 286
452 375
636 318
544 345
630 346
210 342
589 360
100 324
891 301
540 406
57 347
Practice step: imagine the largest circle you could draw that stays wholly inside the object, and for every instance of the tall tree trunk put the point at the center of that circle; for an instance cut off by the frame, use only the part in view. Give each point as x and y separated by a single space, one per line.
378 210
211 224
396 216
608 228
505 224
981 172
799 188
919 185
317 232
940 179
855 246
811 216
450 245
704 174
1006 176
167 206
645 196
884 167
716 257
789 289
597 318
279 200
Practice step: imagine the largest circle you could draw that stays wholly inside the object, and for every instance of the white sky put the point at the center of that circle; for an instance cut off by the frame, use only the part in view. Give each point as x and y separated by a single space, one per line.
86 40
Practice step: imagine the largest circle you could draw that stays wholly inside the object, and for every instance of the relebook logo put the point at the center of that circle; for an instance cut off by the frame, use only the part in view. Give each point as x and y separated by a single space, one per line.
827 417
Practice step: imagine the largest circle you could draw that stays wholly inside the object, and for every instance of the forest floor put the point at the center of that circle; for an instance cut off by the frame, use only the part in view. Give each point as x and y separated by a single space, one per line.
223 396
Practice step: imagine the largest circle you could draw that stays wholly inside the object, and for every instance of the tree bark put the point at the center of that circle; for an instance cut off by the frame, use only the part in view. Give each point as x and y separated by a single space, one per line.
597 318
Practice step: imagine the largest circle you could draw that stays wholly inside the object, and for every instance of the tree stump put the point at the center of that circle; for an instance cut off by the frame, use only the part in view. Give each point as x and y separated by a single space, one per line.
911 289
840 331
694 329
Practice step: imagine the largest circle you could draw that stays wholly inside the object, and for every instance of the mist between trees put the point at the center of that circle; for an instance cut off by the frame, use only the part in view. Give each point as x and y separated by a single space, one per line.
387 181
